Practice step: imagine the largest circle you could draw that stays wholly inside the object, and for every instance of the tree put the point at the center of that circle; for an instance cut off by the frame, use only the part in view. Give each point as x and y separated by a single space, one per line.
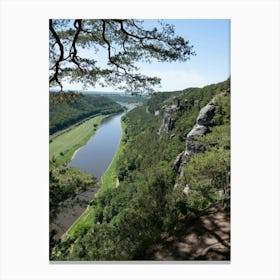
125 41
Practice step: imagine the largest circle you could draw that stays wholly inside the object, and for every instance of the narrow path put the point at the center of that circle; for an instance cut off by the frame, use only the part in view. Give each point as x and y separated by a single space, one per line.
204 238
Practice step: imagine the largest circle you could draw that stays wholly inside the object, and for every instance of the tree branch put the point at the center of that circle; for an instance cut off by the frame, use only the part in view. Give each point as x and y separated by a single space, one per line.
73 54
109 47
61 56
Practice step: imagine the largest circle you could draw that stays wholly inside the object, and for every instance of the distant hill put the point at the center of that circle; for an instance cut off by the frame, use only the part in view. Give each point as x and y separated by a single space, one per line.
128 98
157 98
67 109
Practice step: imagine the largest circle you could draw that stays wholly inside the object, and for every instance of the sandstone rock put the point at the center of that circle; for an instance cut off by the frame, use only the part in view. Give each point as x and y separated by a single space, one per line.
200 128
197 130
206 114
168 123
178 162
176 101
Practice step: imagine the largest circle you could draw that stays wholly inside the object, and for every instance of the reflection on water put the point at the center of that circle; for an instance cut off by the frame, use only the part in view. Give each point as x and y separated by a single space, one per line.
94 157
98 153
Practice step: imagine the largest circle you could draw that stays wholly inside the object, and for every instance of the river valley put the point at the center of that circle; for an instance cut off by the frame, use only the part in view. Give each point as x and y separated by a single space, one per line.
94 157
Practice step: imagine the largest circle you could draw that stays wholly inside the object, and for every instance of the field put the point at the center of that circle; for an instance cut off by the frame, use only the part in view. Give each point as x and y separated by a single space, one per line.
63 146
108 182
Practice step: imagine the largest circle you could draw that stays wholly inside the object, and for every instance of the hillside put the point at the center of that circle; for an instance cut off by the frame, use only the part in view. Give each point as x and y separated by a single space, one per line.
127 98
67 109
173 169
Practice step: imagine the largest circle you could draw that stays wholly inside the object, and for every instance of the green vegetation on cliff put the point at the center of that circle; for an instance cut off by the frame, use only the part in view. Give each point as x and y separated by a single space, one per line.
123 221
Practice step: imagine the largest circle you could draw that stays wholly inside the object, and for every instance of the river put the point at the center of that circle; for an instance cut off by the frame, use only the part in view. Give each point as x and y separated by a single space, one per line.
95 157
97 154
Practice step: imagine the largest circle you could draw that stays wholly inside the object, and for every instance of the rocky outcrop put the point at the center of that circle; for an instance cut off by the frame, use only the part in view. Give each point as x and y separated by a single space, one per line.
168 121
178 162
206 113
203 120
200 128
168 124
197 130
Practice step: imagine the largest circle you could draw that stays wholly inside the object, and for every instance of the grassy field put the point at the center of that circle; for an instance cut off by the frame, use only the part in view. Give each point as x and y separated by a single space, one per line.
108 181
63 146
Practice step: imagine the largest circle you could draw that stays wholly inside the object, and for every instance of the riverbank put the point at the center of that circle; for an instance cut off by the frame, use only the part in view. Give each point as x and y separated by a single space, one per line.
73 156
110 176
109 181
59 132
63 147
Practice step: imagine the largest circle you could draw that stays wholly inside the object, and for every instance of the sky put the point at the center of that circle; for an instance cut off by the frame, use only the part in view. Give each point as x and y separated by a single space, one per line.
211 42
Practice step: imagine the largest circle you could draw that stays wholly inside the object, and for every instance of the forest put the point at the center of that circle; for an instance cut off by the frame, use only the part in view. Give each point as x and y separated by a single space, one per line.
127 98
151 201
67 109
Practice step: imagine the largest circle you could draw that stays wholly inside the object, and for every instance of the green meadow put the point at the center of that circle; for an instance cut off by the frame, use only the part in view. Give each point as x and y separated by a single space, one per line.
63 146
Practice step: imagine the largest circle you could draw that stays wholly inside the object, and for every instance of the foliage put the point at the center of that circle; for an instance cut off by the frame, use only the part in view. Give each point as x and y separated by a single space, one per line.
63 146
206 174
128 98
158 97
66 183
125 42
69 108
126 220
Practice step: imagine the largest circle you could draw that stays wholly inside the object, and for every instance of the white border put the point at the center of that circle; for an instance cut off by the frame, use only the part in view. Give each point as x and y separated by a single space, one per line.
255 138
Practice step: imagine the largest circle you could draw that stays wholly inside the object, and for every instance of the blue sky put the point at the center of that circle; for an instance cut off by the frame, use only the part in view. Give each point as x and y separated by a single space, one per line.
211 41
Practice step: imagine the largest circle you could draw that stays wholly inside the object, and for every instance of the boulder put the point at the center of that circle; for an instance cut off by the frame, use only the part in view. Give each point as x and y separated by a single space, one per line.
206 114
197 130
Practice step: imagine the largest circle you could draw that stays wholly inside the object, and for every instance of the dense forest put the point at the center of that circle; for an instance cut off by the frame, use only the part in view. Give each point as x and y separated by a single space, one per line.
67 109
158 97
179 174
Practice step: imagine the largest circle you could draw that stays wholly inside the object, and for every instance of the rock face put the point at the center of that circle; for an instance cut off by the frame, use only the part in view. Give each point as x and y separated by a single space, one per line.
167 125
206 114
203 120
168 122
197 130
200 128
178 162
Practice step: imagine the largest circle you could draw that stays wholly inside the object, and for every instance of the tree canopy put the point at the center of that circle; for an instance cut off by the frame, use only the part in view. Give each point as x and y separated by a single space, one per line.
74 44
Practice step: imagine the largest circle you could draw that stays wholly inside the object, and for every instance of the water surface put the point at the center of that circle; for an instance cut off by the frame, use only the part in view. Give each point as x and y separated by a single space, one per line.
97 154
95 157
